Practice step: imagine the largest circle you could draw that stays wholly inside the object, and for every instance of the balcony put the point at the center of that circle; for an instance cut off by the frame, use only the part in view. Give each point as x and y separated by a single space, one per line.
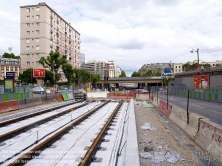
51 31
57 28
51 38
51 16
57 34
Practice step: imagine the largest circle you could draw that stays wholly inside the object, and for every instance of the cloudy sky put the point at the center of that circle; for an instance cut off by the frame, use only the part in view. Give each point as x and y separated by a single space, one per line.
131 33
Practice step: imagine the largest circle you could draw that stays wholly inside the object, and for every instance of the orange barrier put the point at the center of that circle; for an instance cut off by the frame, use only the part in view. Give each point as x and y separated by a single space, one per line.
9 106
60 97
121 96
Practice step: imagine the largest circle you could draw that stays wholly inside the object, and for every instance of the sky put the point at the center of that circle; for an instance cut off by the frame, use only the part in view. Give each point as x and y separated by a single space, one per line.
132 33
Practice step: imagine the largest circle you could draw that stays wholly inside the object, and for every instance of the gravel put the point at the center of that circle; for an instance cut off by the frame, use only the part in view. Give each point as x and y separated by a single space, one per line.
161 140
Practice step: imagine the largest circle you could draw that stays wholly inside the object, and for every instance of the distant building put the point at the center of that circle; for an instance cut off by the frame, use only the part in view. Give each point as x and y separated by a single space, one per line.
99 67
96 67
213 64
42 30
82 61
9 65
153 67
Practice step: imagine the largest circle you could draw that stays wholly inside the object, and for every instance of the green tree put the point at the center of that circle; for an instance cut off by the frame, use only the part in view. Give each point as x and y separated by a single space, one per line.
69 72
147 74
54 62
189 67
135 74
8 55
157 73
27 76
48 78
123 74
95 78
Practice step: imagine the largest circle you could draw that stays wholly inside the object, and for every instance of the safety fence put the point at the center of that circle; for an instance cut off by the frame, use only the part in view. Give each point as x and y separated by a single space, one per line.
214 95
121 96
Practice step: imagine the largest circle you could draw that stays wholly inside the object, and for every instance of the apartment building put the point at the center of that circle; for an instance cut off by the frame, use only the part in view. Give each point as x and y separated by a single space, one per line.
42 30
9 65
96 67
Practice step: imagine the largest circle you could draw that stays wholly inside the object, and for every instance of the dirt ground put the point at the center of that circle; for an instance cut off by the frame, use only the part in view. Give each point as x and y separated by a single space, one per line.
165 138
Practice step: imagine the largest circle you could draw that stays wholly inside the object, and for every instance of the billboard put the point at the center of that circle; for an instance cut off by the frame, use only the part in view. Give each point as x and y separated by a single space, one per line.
201 82
167 70
10 75
38 73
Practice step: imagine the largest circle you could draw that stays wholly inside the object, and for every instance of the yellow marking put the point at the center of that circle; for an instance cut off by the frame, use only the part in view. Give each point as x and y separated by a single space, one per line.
216 112
197 106
173 99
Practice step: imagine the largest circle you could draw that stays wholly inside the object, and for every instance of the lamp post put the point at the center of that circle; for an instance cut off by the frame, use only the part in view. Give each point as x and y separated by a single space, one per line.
197 51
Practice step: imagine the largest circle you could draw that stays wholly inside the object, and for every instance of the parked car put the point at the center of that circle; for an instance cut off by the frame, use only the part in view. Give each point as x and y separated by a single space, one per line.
65 91
38 89
138 91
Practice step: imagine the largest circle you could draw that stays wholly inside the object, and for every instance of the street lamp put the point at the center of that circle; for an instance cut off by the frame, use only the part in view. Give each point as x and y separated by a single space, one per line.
197 54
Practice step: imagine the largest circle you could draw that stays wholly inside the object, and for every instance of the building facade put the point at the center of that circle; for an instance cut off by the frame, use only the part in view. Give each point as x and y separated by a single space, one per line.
82 61
42 30
9 65
96 67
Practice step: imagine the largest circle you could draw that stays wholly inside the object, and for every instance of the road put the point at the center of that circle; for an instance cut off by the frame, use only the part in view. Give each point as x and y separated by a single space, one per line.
208 109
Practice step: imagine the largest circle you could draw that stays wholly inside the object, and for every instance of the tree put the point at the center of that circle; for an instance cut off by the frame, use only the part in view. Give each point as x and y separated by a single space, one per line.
27 76
69 72
54 62
123 74
147 74
135 74
48 78
188 67
8 55
95 78
157 73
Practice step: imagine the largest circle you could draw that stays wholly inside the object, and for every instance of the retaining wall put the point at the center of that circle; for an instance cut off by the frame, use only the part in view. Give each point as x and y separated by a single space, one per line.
209 138
179 116
96 95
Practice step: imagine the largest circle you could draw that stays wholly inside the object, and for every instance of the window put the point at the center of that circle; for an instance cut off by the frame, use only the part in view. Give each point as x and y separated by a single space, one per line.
37 47
38 24
28 10
27 55
37 16
37 32
37 39
37 55
28 25
28 63
11 68
37 9
16 69
37 63
27 47
27 40
27 32
27 17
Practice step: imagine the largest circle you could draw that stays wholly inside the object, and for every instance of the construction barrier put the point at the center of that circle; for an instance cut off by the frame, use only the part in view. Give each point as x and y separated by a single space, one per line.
164 108
70 96
65 97
8 106
121 96
179 116
209 138
60 97
93 95
52 90
142 96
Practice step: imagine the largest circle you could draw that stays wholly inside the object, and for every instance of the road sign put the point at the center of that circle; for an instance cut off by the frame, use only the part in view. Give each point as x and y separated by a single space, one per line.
198 71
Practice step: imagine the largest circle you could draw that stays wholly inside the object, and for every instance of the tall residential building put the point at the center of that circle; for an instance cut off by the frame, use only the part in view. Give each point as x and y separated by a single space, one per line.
82 61
96 67
9 65
42 30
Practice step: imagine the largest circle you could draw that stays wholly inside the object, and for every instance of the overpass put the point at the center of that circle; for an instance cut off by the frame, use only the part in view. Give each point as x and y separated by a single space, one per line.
144 82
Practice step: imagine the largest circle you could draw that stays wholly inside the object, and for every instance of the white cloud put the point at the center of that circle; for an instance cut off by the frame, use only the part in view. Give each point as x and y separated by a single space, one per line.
131 32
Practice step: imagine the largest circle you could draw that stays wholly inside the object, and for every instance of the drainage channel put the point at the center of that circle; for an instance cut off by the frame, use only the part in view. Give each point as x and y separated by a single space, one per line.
29 126
8 122
32 152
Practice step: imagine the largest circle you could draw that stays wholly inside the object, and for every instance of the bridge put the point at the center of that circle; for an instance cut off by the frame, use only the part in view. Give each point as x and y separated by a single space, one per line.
144 82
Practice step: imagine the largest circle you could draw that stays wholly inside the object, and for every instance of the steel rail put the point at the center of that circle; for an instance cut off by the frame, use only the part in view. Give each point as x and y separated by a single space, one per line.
17 131
90 154
33 114
35 150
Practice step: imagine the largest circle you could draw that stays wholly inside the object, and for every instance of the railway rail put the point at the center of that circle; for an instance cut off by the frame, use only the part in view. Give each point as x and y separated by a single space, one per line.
52 137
